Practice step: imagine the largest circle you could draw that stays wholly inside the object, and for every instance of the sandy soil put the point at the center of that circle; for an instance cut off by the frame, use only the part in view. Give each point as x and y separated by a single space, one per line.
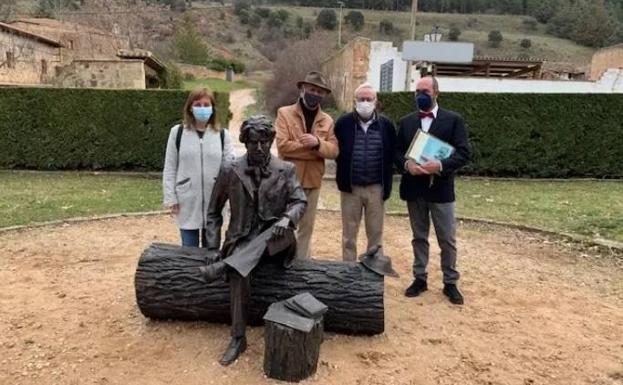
535 313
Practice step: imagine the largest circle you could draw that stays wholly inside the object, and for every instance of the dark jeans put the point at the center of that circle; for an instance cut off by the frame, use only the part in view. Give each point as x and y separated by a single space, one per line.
191 237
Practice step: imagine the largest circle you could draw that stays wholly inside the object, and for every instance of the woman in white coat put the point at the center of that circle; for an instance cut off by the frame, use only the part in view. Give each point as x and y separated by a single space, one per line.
195 150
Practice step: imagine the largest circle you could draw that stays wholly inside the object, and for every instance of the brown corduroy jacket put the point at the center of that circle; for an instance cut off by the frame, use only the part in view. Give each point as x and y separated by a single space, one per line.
290 126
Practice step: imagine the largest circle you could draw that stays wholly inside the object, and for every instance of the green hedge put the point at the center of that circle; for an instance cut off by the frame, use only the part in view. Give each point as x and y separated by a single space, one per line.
68 129
535 135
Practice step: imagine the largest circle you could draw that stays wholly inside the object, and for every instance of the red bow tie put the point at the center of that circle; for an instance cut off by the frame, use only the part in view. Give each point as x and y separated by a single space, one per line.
429 114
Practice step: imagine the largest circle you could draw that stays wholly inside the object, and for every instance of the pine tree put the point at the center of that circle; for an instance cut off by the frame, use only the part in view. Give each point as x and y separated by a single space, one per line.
189 46
596 30
327 19
571 22
454 34
356 19
495 38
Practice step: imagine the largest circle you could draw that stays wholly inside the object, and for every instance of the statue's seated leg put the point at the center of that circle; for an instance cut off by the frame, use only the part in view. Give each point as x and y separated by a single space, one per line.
240 288
213 271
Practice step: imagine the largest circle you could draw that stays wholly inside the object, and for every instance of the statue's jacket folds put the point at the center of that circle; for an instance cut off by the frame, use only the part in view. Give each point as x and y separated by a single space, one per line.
253 209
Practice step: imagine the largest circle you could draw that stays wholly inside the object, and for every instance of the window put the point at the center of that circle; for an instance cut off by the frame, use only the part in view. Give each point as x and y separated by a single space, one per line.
387 76
44 67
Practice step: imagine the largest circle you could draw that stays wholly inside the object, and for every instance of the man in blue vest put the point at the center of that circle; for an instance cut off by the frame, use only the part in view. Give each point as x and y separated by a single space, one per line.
366 142
429 188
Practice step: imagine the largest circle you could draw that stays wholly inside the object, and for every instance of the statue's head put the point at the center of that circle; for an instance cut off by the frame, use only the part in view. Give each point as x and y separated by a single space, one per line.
257 133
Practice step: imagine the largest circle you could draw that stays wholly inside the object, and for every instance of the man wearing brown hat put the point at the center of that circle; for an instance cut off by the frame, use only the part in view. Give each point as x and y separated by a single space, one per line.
305 137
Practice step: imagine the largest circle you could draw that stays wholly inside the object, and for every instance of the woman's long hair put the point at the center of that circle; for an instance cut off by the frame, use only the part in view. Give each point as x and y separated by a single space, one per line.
189 118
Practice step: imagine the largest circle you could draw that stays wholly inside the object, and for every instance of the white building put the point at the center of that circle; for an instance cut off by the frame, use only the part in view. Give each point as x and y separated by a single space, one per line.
381 64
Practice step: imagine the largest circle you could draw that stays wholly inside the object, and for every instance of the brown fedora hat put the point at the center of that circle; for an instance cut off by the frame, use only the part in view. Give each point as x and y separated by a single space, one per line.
315 78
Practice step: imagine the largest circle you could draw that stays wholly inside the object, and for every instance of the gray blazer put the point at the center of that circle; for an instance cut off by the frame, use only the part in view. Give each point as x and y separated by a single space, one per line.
188 177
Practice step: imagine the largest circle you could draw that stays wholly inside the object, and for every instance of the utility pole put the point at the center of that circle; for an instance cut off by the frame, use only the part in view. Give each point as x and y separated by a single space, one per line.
339 30
60 11
411 37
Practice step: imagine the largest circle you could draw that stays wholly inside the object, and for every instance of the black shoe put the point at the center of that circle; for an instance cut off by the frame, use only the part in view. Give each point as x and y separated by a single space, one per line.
418 287
236 347
213 272
453 294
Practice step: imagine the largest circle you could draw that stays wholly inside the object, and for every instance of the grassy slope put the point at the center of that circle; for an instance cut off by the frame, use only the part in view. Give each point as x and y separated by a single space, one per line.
583 207
475 28
218 85
26 198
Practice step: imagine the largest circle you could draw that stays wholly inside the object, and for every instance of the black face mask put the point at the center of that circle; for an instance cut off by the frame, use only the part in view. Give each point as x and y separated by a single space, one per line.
423 101
312 101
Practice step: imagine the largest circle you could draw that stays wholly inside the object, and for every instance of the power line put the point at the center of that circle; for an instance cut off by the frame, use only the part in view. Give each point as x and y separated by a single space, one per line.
412 37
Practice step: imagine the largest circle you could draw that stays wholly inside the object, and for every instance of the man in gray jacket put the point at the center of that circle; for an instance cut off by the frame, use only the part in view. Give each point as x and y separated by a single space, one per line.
266 202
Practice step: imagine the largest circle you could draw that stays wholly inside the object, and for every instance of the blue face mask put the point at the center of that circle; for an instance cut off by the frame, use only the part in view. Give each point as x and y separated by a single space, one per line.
202 114
423 101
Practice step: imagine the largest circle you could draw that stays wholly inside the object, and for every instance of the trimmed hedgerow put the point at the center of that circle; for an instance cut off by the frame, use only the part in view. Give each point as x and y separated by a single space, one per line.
535 135
70 129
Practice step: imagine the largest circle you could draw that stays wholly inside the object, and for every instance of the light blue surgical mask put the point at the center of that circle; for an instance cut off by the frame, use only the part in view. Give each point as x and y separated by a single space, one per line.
202 114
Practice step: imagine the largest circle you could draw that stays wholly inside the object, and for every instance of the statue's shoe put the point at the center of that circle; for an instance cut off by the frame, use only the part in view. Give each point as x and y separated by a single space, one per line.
213 272
236 347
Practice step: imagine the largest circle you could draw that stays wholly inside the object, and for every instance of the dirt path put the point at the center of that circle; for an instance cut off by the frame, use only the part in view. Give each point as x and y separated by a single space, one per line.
239 100
535 313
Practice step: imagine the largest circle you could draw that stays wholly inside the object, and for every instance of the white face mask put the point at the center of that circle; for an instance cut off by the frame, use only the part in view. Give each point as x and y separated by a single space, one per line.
365 109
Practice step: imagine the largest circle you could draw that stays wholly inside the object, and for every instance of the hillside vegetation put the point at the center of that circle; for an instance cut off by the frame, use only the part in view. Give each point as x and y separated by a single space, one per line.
474 28
267 31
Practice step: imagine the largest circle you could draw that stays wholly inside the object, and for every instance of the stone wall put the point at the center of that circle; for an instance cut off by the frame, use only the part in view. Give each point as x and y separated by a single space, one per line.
605 59
31 62
347 70
114 74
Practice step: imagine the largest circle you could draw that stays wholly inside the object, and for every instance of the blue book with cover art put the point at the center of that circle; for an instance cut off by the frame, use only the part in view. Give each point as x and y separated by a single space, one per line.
425 147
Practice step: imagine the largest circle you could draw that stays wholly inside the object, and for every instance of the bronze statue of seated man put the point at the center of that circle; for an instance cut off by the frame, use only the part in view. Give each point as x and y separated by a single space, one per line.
266 202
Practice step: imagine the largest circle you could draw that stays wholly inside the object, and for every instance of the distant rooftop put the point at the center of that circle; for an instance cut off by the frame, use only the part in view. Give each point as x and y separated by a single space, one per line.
31 35
144 55
492 67
53 26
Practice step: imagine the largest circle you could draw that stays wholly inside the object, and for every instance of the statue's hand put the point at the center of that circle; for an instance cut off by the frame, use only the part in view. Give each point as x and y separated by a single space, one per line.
214 256
280 228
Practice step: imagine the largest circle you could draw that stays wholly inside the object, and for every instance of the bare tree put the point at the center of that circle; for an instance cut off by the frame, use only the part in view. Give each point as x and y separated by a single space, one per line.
134 20
293 63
